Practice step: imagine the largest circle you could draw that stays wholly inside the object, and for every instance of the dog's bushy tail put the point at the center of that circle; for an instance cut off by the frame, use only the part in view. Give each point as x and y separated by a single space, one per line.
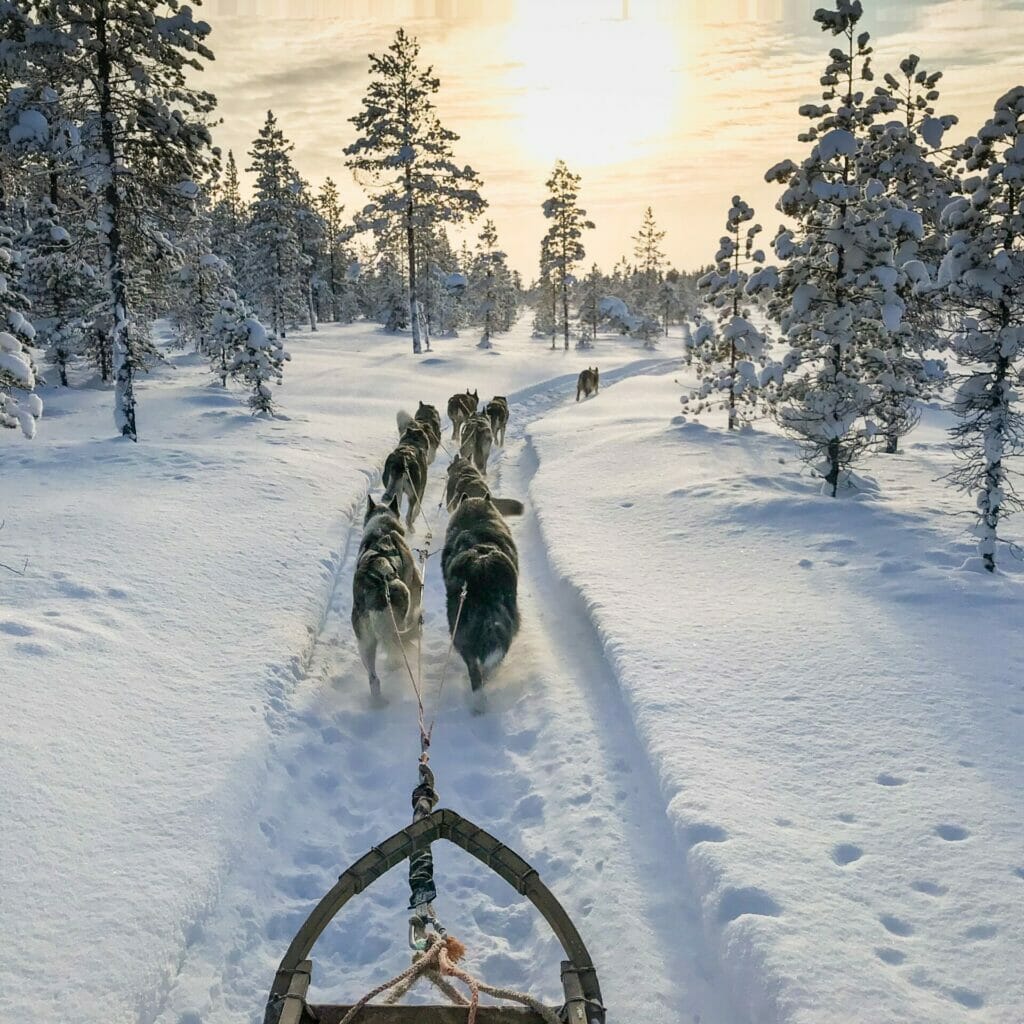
403 419
490 614
509 506
401 601
395 469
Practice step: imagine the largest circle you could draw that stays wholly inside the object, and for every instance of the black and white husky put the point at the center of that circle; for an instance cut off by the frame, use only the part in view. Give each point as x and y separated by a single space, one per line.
405 472
480 556
497 413
385 574
427 419
476 440
466 481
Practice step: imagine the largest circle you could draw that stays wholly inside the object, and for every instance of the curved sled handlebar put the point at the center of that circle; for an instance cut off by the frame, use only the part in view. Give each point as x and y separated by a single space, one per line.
442 824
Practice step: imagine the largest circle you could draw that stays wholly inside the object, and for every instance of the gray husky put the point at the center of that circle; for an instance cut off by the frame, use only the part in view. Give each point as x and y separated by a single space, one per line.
426 419
588 381
465 480
480 556
477 439
497 413
459 407
385 574
405 474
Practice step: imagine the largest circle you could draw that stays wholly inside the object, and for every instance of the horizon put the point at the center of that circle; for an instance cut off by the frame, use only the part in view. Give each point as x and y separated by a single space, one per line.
524 85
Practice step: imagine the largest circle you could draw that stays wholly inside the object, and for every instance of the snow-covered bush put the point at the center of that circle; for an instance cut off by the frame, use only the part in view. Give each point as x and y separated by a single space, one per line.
259 362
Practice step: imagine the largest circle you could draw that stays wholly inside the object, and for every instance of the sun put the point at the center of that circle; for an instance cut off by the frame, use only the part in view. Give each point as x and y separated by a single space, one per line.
589 86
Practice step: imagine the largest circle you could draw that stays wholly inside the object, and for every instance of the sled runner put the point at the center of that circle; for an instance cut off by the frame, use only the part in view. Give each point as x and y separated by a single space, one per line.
287 1003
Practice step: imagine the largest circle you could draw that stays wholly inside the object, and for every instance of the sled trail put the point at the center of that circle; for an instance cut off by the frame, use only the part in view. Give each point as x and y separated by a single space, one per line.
550 766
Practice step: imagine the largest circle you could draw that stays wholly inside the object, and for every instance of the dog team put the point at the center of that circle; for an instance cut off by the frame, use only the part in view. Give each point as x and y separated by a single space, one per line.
479 562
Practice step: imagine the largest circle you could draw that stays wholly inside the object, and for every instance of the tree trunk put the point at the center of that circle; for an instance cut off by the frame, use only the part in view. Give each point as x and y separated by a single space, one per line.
732 385
311 305
892 444
832 477
565 311
122 354
333 271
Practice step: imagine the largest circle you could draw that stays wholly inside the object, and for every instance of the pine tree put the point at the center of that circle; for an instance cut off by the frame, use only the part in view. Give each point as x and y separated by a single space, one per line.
592 290
649 262
563 245
405 153
62 287
493 293
276 261
20 407
228 218
903 156
727 347
144 141
982 275
336 260
836 295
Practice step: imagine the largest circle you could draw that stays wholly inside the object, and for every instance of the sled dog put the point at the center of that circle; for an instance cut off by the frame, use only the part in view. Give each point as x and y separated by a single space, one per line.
426 419
588 381
477 439
385 572
405 473
480 555
459 407
497 413
464 479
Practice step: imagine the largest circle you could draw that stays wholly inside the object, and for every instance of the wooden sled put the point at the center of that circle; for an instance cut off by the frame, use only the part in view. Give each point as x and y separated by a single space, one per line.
287 1003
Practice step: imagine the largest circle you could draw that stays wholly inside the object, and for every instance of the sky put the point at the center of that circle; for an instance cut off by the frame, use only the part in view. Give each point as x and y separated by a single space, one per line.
673 104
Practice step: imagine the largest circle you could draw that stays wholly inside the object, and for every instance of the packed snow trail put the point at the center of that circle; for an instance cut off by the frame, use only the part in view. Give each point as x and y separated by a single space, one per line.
551 768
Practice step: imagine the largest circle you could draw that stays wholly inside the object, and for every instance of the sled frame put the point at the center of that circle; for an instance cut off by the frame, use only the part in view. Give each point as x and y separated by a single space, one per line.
287 1002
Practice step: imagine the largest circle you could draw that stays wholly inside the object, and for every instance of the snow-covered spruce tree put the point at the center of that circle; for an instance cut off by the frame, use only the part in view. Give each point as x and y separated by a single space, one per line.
592 289
144 141
228 220
649 262
492 292
405 154
903 152
982 276
259 362
836 293
728 347
275 272
309 227
61 285
20 406
562 247
336 259
229 332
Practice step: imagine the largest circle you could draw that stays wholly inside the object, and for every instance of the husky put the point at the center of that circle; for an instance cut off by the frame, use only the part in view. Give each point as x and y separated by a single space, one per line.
405 474
385 573
480 556
465 480
426 419
477 439
497 413
588 381
459 407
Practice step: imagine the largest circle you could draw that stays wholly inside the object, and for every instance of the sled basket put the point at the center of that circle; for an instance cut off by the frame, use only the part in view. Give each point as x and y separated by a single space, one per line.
287 1002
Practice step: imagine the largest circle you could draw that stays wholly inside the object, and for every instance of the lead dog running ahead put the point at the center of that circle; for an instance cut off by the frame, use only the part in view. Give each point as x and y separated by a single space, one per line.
588 382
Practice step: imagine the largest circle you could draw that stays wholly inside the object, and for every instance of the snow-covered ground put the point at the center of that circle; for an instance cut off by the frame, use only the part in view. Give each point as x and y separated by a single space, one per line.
829 711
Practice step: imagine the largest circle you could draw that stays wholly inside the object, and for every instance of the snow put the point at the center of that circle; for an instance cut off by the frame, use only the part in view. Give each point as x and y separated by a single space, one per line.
32 127
762 745
830 705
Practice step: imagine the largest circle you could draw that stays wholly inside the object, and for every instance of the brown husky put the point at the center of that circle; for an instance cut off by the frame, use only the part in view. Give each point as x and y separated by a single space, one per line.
588 381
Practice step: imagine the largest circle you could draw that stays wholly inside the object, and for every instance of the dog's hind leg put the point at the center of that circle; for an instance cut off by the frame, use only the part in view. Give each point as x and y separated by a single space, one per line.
476 675
368 653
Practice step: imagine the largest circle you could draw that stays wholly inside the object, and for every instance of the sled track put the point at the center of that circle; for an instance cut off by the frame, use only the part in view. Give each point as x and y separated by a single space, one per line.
552 767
